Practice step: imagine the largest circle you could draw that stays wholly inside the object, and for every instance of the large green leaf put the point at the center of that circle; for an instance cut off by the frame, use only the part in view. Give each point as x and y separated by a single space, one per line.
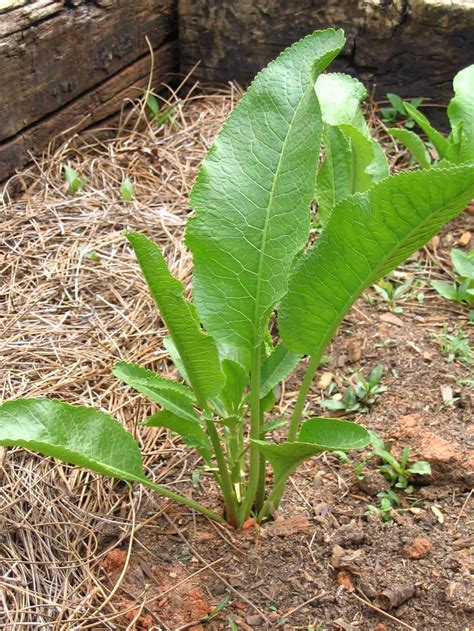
171 395
277 367
75 434
461 117
353 160
439 141
414 144
197 350
191 432
316 435
366 237
81 436
253 194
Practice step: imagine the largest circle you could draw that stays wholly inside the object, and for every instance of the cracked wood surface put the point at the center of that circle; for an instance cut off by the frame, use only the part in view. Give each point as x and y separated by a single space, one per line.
411 47
71 63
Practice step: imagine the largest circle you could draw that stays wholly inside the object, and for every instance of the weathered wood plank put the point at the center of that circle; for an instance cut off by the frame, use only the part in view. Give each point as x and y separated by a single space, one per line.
89 109
62 61
412 47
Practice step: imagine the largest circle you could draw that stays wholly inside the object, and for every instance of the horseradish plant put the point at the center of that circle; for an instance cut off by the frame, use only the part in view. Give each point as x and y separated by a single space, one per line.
252 264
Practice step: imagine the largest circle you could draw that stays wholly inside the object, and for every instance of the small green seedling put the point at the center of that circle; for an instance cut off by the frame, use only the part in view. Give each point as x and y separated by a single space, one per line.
127 190
361 394
398 472
455 345
254 265
463 289
396 110
391 292
160 115
75 183
389 501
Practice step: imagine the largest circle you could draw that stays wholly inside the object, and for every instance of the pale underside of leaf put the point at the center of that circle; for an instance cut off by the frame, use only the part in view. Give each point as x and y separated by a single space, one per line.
253 193
366 237
353 159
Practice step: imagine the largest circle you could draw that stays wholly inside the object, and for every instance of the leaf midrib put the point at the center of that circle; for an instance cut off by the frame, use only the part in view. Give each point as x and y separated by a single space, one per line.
262 255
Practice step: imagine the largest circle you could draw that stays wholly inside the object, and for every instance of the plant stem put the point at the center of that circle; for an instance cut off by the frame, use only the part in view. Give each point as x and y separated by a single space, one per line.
302 394
274 500
225 479
254 461
260 494
181 499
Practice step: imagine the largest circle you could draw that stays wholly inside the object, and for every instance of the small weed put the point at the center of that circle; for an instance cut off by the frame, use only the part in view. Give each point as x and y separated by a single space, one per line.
398 472
160 115
127 190
361 393
220 605
390 292
397 111
455 345
462 290
75 183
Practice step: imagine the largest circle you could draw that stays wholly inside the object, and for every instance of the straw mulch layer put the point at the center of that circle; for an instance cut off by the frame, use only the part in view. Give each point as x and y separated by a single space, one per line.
73 303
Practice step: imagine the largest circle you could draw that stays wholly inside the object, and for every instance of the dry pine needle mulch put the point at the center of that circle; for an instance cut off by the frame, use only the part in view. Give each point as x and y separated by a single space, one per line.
72 304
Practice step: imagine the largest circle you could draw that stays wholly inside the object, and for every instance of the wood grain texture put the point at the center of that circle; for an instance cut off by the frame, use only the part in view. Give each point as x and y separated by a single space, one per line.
68 62
412 47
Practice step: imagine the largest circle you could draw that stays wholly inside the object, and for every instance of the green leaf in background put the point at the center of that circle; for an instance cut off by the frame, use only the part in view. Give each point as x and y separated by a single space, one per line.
414 144
440 143
277 367
461 117
196 349
420 467
73 179
447 290
463 263
253 194
190 431
367 236
171 395
354 160
152 104
127 191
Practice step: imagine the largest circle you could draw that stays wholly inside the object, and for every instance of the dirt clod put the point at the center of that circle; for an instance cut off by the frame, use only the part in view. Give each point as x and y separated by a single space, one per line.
418 548
344 579
114 560
449 461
